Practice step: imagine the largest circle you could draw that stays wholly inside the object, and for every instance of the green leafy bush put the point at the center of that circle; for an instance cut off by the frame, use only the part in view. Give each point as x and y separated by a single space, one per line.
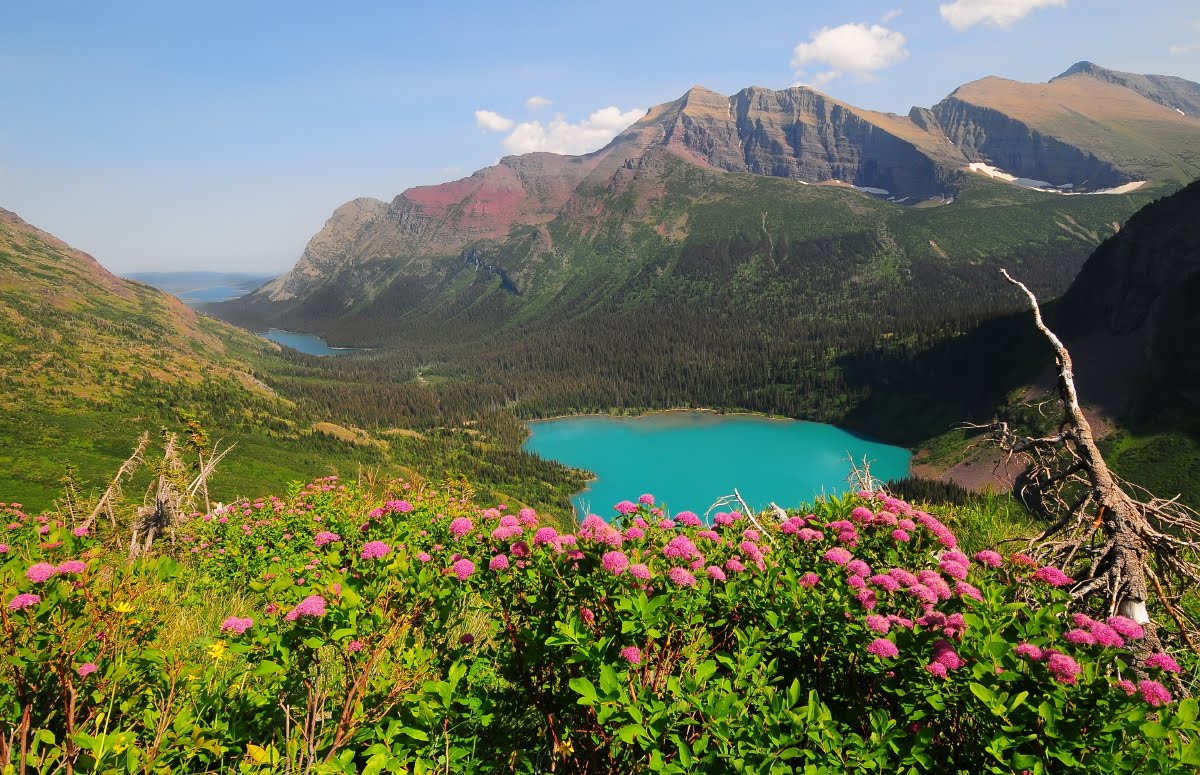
415 632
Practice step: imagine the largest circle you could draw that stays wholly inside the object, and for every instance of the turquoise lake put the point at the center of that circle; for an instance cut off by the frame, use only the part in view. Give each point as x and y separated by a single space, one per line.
305 343
688 460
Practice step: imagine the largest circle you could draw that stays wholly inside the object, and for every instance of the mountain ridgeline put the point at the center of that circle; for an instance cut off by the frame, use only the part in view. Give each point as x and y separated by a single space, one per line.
760 249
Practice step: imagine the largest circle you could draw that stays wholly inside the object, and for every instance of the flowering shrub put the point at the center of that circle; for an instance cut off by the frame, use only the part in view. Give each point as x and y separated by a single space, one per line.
416 633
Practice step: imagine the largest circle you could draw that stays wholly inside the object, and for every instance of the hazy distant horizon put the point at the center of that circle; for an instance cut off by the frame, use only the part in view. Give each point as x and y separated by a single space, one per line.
221 137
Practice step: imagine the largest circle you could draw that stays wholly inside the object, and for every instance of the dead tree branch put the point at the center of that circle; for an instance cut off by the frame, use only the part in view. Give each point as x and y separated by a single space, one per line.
1115 545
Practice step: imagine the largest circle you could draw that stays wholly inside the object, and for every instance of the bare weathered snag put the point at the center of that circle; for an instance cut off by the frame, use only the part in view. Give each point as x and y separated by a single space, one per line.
1128 551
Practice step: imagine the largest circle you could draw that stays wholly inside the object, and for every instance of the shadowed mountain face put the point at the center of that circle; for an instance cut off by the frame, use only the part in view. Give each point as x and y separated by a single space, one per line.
1144 283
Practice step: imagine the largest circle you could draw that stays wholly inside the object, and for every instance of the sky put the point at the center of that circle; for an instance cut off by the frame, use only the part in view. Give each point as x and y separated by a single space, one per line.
221 135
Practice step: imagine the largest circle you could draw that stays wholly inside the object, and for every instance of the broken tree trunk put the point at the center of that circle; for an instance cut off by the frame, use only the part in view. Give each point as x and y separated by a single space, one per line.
1118 548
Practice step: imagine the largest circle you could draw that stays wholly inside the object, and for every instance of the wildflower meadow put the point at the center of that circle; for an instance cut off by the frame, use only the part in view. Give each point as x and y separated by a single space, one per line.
338 630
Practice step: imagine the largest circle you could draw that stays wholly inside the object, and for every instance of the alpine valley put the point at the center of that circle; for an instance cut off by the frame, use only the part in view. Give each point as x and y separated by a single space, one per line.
774 251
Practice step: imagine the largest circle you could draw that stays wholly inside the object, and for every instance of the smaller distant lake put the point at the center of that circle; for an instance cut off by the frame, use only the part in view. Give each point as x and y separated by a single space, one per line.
306 343
688 460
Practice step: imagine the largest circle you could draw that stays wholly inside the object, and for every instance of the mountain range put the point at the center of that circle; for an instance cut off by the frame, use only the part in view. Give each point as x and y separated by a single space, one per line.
527 220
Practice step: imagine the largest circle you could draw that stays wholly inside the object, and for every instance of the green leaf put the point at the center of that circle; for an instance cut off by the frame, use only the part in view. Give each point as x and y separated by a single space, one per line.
266 668
586 689
983 693
629 732
1153 730
1188 710
610 684
415 734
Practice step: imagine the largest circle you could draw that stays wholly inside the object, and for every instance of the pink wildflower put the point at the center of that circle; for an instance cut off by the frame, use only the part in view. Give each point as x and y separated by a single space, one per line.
402 507
587 615
632 655
885 582
953 569
809 580
424 556
858 568
86 669
374 550
990 558
498 563
463 569
963 589
23 600
460 526
1106 636
626 507
647 499
1127 686
722 518
1126 627
634 533
325 537
1052 576
354 645
1083 620
666 524
862 514
883 648
1029 650
879 624
545 535
639 571
809 534
71 567
715 573
837 555
615 562
237 625
1063 668
937 669
312 606
1154 693
681 577
1163 662
901 536
944 654
1078 637
79 532
40 572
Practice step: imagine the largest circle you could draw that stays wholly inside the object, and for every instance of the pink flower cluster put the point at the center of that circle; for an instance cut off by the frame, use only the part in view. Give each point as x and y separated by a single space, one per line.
312 606
237 625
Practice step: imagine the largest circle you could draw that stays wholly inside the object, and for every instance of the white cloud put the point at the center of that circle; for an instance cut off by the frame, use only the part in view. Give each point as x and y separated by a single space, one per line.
854 49
891 15
962 14
561 136
536 103
492 121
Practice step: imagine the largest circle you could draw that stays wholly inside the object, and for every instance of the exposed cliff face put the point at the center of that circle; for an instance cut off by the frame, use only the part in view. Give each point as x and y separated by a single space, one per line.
1074 130
1175 93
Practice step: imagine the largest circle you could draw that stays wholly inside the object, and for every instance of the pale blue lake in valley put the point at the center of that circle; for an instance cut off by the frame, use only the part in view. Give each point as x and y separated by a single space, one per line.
305 343
688 460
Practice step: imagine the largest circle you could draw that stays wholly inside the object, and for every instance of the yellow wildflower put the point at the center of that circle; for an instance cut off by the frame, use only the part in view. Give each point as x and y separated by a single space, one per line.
217 650
123 607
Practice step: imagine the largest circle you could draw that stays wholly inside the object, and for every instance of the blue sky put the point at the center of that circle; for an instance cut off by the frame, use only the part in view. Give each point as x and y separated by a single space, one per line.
179 135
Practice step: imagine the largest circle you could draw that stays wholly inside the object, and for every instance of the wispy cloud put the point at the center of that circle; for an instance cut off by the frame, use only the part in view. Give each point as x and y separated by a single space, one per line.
536 103
891 15
492 121
852 49
963 14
